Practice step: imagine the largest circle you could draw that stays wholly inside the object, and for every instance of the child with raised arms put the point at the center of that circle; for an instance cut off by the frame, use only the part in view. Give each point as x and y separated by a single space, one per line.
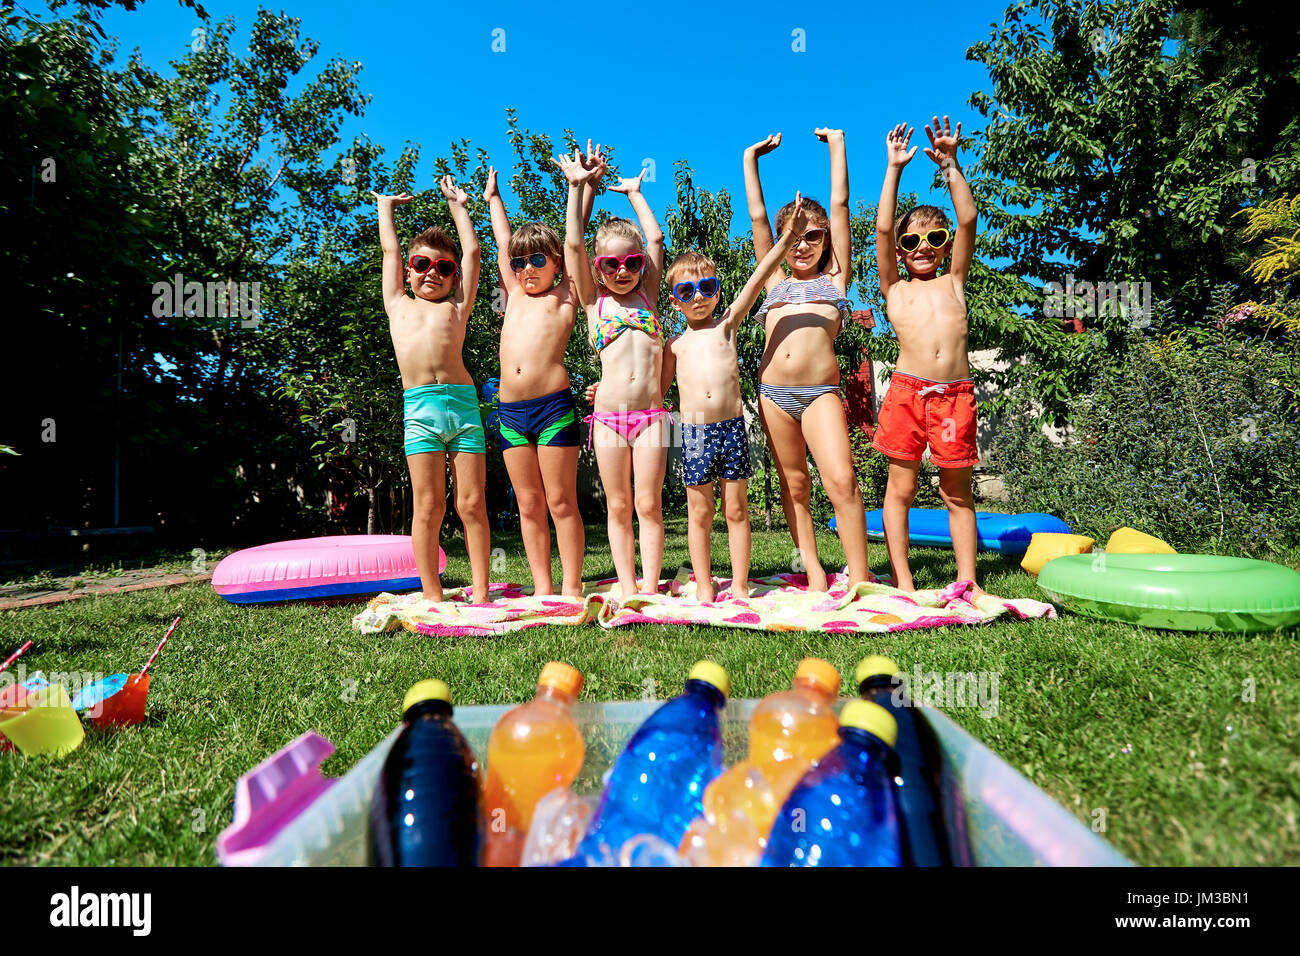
931 398
540 437
799 377
714 443
440 403
618 297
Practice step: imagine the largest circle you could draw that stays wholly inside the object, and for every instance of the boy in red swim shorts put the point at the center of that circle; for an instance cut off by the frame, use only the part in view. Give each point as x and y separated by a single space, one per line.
931 398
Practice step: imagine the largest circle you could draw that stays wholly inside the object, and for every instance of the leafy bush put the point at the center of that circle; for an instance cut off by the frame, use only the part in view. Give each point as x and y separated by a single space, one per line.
1199 446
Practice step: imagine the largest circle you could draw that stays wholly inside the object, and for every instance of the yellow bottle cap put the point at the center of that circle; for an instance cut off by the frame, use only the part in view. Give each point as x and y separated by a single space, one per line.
874 666
820 673
562 677
432 689
713 674
874 719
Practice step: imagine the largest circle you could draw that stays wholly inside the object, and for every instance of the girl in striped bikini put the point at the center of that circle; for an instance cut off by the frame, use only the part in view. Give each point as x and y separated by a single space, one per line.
799 378
627 428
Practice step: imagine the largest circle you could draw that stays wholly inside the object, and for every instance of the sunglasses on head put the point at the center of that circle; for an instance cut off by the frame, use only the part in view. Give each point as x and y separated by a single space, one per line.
610 264
812 237
935 239
422 264
685 291
537 260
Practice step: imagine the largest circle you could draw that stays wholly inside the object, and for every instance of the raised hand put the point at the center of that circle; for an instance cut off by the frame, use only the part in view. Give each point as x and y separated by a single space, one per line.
945 143
490 189
572 167
629 186
798 223
826 134
399 200
451 192
595 163
767 145
896 151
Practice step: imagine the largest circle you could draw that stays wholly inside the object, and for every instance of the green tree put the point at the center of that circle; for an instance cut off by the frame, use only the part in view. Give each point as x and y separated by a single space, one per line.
1107 159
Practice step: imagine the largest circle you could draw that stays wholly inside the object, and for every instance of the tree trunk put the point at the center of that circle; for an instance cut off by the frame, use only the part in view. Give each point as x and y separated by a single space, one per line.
372 510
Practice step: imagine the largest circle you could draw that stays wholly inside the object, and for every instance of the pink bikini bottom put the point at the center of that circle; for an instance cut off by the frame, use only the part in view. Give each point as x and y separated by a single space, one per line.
627 424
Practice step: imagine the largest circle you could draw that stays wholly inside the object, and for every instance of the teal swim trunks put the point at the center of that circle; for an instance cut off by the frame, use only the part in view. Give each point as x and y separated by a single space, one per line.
443 418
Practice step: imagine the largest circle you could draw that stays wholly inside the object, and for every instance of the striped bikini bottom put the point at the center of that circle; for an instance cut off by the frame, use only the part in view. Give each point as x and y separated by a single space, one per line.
794 399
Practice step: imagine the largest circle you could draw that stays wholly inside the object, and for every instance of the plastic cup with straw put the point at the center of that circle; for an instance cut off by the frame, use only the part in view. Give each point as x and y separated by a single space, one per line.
126 707
13 695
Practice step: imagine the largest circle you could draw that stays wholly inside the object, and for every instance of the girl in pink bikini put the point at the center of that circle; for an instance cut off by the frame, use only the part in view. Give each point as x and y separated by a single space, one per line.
627 427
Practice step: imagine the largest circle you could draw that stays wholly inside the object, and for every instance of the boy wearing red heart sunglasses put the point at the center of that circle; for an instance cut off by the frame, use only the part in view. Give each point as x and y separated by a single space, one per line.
440 401
931 397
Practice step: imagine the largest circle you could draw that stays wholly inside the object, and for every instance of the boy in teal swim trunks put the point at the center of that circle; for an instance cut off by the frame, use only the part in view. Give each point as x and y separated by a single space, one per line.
441 402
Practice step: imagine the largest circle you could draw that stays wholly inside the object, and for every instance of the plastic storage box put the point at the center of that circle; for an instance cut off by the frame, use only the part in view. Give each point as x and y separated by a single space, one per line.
1010 821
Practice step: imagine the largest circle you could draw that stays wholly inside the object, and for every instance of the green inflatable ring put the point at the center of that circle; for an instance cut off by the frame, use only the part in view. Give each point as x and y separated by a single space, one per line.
1182 592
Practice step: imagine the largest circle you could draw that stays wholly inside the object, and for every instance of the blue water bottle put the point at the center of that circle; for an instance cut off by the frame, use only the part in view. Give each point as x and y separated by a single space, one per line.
844 811
930 805
658 782
425 809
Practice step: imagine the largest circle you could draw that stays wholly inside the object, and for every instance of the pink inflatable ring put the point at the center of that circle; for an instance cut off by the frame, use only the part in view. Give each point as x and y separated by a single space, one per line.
335 566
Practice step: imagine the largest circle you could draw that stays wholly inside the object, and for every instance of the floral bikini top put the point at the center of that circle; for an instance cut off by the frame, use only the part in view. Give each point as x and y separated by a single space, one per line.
608 329
801 291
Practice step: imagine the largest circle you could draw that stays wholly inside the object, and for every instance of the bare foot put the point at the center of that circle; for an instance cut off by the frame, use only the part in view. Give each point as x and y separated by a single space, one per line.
904 584
975 593
434 596
739 592
574 591
704 593
816 579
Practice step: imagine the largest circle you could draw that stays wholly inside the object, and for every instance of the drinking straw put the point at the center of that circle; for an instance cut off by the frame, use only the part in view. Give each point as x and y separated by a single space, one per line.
160 645
15 655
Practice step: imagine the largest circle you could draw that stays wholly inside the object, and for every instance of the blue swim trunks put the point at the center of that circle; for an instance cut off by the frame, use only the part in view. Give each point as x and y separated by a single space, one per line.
443 418
548 420
716 450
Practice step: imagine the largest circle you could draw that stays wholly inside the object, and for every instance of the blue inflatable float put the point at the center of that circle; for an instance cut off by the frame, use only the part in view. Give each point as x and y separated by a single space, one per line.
1002 534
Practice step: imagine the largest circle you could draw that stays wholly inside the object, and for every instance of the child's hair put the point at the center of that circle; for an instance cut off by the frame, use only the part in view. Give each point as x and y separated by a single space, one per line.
816 213
691 262
536 237
616 228
437 240
920 216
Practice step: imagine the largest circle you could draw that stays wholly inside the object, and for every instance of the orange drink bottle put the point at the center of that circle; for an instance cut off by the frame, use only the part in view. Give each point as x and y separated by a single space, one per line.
534 749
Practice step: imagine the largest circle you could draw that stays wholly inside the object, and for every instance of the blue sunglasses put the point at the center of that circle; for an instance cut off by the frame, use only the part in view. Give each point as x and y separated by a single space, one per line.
685 291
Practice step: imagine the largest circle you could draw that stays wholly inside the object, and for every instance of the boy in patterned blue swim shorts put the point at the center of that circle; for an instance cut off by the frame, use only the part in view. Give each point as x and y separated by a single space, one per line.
714 443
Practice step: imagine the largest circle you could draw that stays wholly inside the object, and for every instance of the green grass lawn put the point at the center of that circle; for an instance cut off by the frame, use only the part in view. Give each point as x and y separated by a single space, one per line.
1149 725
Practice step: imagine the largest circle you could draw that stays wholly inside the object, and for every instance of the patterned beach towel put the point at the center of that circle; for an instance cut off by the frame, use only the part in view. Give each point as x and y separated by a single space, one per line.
778 603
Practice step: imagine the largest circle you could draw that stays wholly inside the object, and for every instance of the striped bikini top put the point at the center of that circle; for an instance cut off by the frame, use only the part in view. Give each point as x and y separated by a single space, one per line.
608 329
800 291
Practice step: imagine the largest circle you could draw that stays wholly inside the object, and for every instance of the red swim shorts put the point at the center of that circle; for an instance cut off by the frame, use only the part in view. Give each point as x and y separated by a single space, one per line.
917 411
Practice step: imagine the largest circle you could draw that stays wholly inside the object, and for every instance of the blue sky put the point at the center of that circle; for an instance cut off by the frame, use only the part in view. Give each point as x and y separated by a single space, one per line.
660 82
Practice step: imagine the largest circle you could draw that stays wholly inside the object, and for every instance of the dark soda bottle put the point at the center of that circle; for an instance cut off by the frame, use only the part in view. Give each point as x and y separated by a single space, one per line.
425 809
933 817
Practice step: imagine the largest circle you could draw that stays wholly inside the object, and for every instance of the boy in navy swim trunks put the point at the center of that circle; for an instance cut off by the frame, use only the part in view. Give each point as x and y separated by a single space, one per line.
931 398
714 443
540 438
440 401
